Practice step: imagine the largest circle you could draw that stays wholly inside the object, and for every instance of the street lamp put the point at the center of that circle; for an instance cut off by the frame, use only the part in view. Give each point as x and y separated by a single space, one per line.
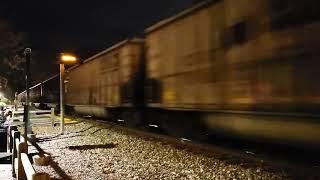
68 58
64 59
26 120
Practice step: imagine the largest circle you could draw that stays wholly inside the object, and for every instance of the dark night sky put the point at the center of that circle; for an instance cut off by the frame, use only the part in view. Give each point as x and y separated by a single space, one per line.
82 27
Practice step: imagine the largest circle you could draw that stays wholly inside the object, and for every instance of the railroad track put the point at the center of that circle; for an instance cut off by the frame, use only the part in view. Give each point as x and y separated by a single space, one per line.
275 161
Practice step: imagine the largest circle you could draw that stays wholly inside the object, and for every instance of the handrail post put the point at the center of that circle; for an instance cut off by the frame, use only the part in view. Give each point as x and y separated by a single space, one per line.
41 176
15 134
30 172
24 141
21 148
52 117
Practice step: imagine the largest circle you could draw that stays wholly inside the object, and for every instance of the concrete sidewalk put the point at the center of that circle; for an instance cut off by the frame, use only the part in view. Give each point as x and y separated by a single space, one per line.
5 172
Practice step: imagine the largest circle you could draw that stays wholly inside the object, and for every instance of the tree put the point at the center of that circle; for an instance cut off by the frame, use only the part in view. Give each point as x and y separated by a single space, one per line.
11 57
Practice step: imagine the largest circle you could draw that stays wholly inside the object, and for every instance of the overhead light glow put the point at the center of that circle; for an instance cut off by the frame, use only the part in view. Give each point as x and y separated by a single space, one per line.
68 58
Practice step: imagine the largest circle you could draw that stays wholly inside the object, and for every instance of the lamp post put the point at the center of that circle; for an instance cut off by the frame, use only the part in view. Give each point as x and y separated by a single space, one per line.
27 128
64 59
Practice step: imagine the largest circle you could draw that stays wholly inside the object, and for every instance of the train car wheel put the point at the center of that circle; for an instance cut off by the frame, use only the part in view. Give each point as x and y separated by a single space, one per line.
183 126
173 126
131 119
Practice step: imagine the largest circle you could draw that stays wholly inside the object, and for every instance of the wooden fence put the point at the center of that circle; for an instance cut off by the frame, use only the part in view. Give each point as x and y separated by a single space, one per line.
21 165
34 116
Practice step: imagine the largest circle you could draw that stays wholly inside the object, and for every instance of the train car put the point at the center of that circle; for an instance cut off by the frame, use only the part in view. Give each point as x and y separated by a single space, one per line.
34 95
43 95
247 68
50 92
109 83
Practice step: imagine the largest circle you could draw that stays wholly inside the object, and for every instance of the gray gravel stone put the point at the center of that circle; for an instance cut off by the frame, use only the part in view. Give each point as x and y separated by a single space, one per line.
88 151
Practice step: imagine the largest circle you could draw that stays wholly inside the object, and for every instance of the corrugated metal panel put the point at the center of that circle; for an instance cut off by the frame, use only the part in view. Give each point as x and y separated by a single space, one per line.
197 70
180 15
98 80
182 56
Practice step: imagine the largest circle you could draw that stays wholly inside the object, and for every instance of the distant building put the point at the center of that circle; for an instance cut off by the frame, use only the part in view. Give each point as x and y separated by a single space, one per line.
3 82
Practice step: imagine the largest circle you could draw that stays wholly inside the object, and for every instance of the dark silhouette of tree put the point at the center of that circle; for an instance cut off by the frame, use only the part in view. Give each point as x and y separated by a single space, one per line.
11 57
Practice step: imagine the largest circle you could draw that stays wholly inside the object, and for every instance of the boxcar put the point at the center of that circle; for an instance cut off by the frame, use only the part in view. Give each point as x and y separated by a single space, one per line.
246 67
44 94
107 81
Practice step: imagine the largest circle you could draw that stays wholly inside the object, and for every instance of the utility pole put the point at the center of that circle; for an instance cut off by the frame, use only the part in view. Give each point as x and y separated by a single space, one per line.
27 128
64 59
62 98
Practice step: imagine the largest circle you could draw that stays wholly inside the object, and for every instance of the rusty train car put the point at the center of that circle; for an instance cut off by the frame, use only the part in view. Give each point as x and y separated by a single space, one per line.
112 79
43 95
244 68
247 69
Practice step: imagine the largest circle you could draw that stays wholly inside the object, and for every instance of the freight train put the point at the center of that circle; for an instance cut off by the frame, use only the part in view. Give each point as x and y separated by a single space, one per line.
248 69
43 95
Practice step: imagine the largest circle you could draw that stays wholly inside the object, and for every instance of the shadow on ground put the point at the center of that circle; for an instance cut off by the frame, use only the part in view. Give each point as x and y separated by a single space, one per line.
76 134
53 164
88 147
96 131
58 137
61 172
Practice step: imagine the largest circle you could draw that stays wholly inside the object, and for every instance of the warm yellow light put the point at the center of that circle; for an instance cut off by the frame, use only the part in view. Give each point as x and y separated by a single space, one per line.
68 58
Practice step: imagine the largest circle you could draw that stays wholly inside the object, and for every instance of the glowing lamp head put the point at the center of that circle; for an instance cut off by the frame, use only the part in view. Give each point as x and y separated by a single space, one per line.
68 58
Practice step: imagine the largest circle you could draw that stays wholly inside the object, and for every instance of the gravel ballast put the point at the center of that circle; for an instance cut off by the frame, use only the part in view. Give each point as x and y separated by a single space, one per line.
92 151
